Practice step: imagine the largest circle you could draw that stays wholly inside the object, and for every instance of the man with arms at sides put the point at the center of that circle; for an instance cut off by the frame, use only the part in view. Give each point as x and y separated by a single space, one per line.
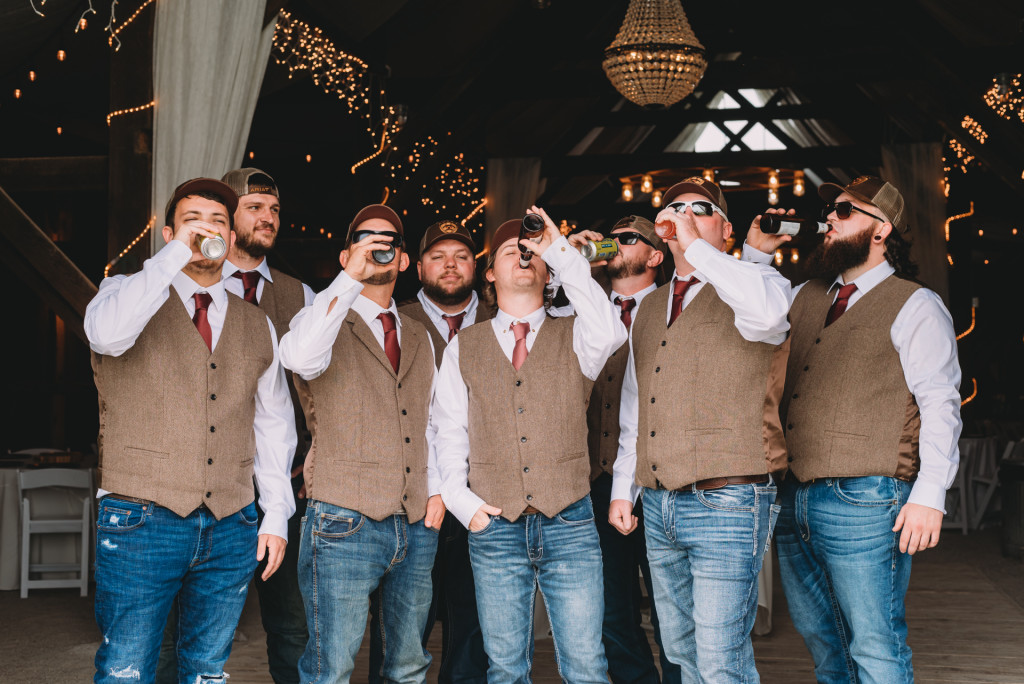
872 415
632 273
700 434
510 410
193 404
373 510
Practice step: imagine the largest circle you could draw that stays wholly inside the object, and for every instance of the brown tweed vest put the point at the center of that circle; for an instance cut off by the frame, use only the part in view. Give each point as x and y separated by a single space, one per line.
848 411
176 421
708 399
281 300
414 310
527 428
370 443
603 413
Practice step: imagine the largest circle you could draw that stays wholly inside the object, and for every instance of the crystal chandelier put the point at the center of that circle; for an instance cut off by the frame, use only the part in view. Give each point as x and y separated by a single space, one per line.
655 60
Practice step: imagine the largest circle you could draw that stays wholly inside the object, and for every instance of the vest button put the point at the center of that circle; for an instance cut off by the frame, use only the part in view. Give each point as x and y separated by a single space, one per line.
209 494
404 412
209 461
796 395
604 461
817 341
652 433
522 439
657 369
529 497
807 368
408 469
213 365
604 434
610 378
213 397
407 440
652 400
399 385
526 469
405 497
213 429
518 383
607 406
789 427
663 343
520 409
790 459
654 467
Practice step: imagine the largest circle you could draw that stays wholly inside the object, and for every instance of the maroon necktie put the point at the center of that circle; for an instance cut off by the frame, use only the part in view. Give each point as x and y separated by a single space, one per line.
391 348
250 279
454 323
678 293
626 304
202 300
839 306
519 352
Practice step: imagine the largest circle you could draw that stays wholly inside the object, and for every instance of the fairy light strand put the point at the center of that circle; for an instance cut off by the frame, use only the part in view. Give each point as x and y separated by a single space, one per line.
113 33
383 145
130 110
110 24
969 330
957 217
476 210
968 400
82 23
113 262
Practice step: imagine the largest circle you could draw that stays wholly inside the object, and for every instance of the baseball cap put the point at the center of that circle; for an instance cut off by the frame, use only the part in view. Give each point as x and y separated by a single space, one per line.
874 191
700 186
446 230
197 185
642 226
376 211
250 181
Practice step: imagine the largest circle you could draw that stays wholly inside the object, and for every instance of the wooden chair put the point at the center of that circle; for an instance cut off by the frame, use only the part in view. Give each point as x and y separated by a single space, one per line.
82 524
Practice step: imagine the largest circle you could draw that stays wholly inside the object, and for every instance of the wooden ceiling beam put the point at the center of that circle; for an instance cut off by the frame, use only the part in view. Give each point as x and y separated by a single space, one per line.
53 174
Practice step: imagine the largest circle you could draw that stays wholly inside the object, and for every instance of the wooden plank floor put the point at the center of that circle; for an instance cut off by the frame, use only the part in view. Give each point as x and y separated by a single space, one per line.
965 609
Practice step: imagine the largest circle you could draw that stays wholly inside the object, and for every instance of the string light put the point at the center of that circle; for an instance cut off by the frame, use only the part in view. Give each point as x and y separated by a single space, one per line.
383 145
949 258
476 210
61 55
113 262
975 129
34 9
968 400
309 158
778 258
981 233
31 75
252 154
794 256
130 110
82 23
969 330
59 130
17 93
957 217
122 27
1005 96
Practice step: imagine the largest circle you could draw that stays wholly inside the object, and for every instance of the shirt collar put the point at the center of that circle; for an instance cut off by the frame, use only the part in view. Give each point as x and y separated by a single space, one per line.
638 297
693 274
868 279
534 318
186 287
263 269
368 310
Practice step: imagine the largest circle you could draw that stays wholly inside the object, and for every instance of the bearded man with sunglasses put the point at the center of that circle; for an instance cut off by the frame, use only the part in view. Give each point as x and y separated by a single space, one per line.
872 416
374 508
701 436
632 274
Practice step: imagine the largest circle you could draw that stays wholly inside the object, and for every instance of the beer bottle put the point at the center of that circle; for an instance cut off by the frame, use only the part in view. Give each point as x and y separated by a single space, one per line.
782 224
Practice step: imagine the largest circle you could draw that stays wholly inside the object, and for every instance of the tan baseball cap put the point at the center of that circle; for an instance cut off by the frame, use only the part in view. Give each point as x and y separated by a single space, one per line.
446 230
250 181
873 191
700 186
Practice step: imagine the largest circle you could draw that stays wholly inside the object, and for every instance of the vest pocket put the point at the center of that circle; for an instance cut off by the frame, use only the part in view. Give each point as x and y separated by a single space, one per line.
845 451
572 457
135 452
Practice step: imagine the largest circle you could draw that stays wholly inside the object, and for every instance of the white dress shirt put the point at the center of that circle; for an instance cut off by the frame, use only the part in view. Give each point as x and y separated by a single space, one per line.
597 332
124 306
759 297
235 286
307 347
925 340
435 314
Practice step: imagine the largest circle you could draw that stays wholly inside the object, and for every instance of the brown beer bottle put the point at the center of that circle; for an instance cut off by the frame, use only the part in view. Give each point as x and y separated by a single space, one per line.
782 224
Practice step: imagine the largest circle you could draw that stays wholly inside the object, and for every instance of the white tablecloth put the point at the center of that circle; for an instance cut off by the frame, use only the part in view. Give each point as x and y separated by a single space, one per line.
49 548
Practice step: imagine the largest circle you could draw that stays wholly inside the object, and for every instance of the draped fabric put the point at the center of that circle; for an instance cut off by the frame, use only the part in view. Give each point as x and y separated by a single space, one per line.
916 169
209 57
513 184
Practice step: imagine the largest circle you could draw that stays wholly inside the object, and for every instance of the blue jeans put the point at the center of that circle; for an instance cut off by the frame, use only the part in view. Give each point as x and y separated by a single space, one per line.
343 557
630 660
146 556
844 576
705 549
562 556
463 660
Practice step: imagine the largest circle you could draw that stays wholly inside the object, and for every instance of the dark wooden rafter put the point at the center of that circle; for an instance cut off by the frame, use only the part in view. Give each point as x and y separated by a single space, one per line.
53 174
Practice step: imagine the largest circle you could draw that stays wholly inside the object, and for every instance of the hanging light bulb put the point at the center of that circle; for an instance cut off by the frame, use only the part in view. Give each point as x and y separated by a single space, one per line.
17 93
59 130
627 192
773 179
709 175
82 23
252 154
646 183
309 157
656 199
31 75
61 55
773 196
798 184
737 253
794 256
778 258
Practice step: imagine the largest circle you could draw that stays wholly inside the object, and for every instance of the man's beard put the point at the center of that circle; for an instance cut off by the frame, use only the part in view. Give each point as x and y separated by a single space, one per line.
438 294
248 244
828 260
625 268
204 266
382 278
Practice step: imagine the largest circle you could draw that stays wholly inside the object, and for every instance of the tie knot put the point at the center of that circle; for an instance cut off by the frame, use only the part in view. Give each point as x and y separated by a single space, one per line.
387 319
520 330
625 303
681 285
846 290
248 278
202 300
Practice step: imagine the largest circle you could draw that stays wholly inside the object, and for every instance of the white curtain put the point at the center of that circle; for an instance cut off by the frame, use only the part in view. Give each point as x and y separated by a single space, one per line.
513 184
209 57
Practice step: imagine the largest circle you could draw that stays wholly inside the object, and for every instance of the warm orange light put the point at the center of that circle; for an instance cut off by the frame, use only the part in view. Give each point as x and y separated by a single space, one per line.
61 55
31 75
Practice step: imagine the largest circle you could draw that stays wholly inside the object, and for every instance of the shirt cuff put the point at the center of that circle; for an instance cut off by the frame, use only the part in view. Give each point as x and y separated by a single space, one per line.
559 254
275 523
756 256
928 494
625 489
464 505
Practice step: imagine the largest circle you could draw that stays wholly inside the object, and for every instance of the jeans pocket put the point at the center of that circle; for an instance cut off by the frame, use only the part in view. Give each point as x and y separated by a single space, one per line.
579 513
875 490
248 515
739 498
489 526
344 524
116 515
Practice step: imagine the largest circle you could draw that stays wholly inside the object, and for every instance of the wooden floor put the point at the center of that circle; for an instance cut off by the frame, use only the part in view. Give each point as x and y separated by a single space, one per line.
965 609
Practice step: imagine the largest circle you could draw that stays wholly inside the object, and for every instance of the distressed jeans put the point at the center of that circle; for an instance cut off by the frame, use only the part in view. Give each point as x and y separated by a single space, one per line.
561 556
343 557
146 555
845 578
705 549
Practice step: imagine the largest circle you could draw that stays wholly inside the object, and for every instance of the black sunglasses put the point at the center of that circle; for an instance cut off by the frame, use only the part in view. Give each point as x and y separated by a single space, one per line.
629 237
396 238
843 211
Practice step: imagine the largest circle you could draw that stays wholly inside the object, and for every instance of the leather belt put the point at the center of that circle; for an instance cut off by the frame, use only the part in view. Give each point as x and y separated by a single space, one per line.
132 499
719 482
530 510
